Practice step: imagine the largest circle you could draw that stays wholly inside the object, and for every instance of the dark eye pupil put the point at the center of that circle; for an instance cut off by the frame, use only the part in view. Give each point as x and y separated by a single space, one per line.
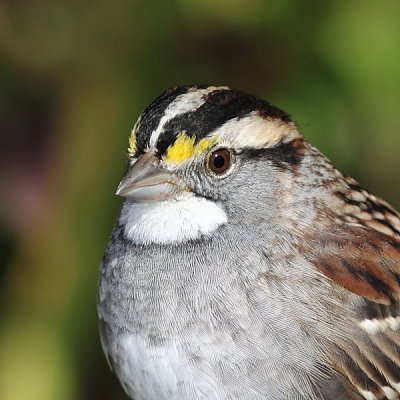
219 162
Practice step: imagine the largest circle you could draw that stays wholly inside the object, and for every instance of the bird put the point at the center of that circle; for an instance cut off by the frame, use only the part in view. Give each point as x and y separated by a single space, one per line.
243 264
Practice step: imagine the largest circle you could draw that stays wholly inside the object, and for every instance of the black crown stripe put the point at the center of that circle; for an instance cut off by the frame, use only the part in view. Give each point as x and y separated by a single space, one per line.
220 106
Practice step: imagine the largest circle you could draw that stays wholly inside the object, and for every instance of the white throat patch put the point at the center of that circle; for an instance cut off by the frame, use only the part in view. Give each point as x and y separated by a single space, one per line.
171 221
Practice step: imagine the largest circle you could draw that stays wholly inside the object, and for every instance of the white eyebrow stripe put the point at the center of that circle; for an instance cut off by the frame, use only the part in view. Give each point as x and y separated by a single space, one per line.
182 104
256 131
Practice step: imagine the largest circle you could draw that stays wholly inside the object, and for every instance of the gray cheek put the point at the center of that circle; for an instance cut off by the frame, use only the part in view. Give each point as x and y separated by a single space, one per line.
253 191
252 188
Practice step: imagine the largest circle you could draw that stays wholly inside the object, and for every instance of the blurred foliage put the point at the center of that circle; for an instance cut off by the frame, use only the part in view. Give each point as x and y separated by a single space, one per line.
75 76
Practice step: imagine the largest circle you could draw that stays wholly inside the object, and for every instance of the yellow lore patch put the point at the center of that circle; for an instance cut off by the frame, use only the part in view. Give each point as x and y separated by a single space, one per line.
132 142
184 147
204 144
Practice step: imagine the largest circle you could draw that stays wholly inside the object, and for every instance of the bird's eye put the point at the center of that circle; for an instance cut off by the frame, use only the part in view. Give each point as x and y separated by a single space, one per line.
219 161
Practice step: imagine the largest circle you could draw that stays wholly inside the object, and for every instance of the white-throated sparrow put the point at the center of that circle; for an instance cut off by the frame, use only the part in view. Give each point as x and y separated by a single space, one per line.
243 265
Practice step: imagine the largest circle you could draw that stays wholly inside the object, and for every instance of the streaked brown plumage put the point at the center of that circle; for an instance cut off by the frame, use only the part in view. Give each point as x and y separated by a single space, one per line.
243 265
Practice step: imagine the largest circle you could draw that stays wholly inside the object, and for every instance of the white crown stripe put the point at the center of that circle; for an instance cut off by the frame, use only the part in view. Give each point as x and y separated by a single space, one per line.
182 104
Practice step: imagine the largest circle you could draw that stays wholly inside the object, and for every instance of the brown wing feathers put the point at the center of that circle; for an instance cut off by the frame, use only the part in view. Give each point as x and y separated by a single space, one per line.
366 262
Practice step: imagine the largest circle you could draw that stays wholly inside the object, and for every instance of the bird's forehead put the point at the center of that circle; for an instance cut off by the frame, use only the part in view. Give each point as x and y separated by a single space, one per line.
190 119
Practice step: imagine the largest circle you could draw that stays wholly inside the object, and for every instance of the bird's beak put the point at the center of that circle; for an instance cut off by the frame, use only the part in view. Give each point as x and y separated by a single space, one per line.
146 181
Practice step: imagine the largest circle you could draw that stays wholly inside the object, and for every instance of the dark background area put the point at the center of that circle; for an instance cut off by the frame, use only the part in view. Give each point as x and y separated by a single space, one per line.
74 76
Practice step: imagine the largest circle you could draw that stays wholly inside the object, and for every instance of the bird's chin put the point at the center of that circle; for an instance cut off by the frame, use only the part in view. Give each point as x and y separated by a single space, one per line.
154 193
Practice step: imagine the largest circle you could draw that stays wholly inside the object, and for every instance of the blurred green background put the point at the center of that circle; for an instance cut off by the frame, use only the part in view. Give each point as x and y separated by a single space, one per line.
74 77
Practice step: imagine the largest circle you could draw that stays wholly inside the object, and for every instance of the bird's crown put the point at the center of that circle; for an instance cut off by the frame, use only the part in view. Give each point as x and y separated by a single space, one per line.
189 120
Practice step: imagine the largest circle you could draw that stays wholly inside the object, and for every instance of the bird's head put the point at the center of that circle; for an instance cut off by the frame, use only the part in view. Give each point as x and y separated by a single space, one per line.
215 150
